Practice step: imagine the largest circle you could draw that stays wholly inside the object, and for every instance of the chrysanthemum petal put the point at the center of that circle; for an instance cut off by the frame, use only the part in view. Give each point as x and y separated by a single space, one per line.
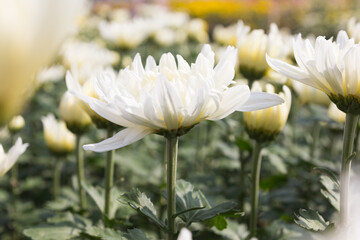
260 100
119 140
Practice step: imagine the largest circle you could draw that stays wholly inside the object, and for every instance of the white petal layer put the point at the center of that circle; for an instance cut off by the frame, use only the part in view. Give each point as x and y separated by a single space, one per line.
119 140
260 100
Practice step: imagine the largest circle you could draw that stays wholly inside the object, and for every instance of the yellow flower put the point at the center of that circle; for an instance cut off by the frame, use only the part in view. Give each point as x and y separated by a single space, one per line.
16 124
264 125
71 110
58 138
335 114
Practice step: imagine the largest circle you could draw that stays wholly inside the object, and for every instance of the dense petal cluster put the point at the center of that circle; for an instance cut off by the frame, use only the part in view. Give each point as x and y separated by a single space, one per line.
253 45
58 138
264 125
7 160
330 66
170 97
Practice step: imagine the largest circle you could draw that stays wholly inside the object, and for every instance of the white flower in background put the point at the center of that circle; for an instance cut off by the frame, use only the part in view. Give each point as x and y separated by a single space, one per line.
31 33
71 110
197 30
87 89
330 66
225 35
120 15
125 35
165 37
307 94
253 45
58 138
88 54
335 114
185 234
353 29
170 97
7 160
264 125
16 124
51 74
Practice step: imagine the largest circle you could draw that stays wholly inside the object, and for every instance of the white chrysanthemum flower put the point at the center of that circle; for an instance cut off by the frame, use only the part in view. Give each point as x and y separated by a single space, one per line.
353 29
225 35
185 234
7 160
197 30
79 54
253 45
265 124
308 94
72 112
335 114
31 33
57 137
87 89
330 66
125 35
170 97
50 74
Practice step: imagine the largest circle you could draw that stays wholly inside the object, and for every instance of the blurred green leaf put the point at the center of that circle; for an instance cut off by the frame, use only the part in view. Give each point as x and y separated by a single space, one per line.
141 203
244 144
311 220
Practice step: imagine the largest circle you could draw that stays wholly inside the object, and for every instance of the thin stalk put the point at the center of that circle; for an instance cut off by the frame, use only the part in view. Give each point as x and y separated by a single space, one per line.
109 176
348 143
315 142
80 172
242 179
256 160
171 160
57 177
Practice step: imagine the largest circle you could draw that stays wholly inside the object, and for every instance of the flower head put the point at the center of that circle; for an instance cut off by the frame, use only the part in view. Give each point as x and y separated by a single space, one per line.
264 125
71 110
169 97
253 45
16 124
335 114
330 66
7 160
58 138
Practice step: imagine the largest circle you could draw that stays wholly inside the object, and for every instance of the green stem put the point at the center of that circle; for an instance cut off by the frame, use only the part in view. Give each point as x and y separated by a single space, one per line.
57 177
256 160
348 143
171 157
242 179
315 136
109 176
80 172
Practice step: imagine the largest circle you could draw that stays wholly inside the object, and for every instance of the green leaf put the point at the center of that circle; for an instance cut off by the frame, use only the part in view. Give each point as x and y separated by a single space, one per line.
330 174
97 194
244 145
60 227
112 234
219 222
141 203
61 231
135 234
331 191
192 206
104 233
311 220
